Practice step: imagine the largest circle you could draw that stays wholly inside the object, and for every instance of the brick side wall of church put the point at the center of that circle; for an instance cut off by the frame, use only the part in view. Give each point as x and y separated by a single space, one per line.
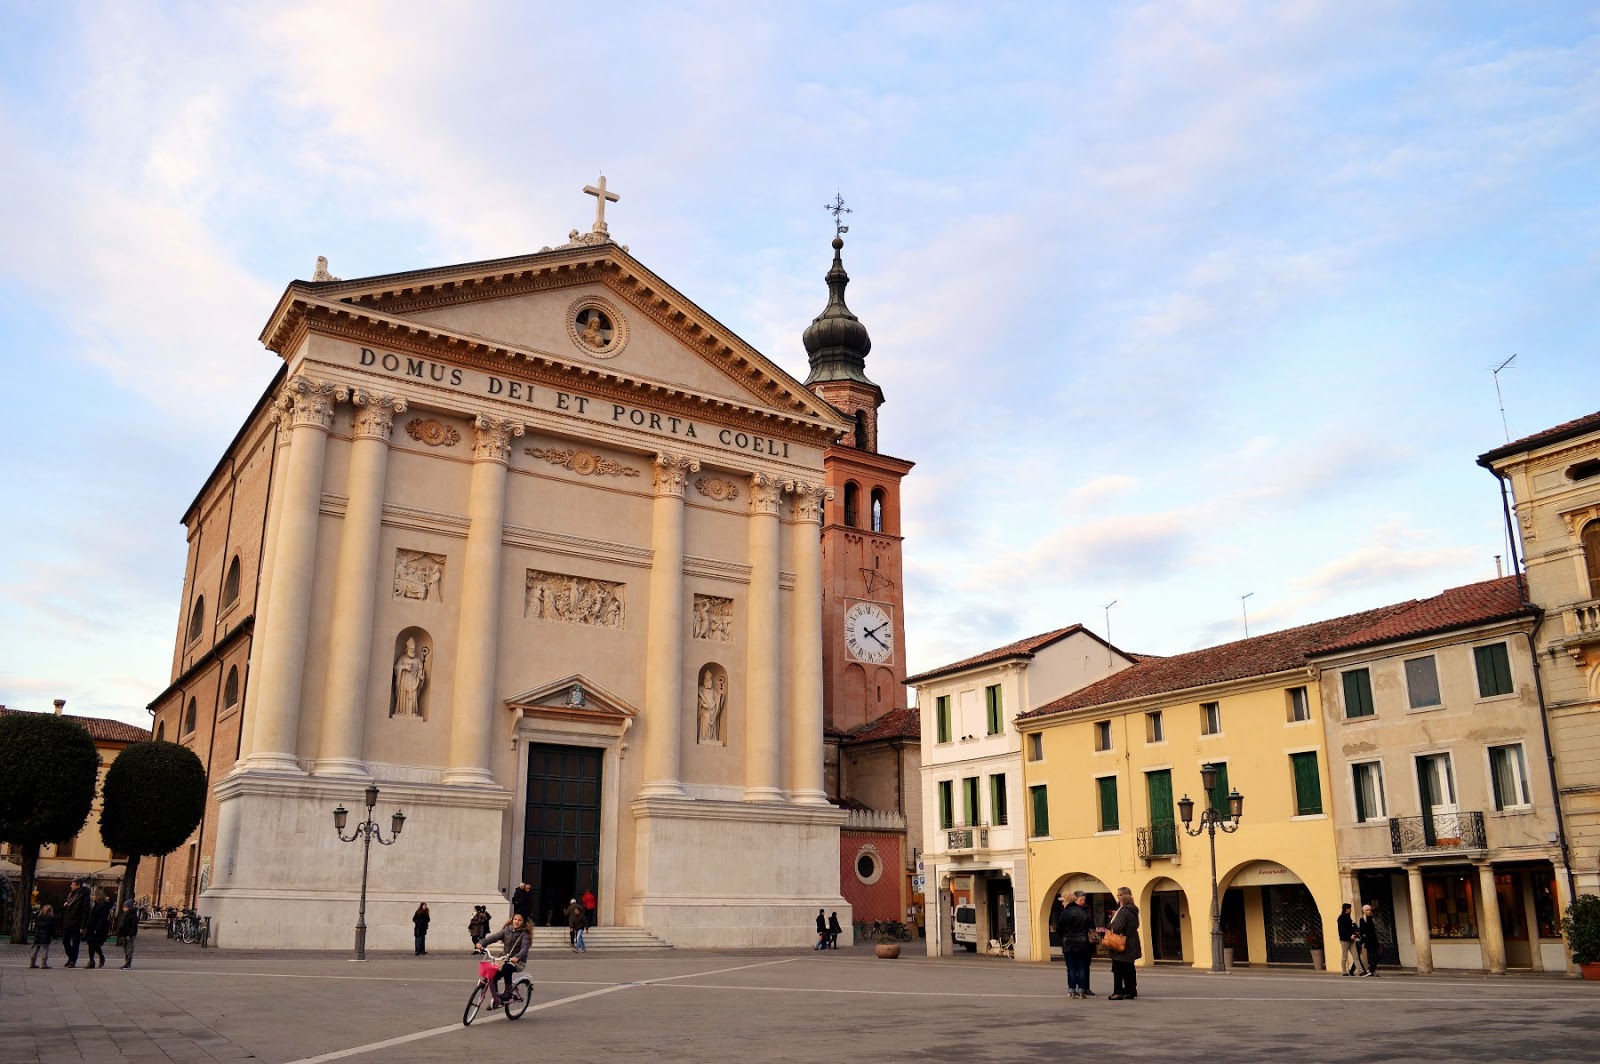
881 899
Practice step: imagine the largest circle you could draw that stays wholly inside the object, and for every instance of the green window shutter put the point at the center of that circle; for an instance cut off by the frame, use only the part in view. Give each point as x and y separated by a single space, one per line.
1041 810
1494 670
1358 693
997 798
946 803
1219 796
969 800
1307 785
1159 786
942 709
1109 820
991 697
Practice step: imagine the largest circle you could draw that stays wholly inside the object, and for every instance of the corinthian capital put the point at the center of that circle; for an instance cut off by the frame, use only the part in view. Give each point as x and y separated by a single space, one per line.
766 492
375 413
809 499
672 473
493 438
313 401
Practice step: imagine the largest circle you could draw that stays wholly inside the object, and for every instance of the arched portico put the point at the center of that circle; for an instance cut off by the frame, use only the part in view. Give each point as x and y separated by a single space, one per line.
1169 931
1271 915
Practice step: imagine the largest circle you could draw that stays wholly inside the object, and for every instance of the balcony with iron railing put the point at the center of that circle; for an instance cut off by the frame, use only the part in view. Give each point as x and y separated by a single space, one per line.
1159 840
1440 833
966 838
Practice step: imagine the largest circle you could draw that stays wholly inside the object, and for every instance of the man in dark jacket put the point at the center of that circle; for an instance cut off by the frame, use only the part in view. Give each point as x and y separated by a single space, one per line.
1349 944
1370 946
822 930
127 928
522 902
98 929
1072 928
74 915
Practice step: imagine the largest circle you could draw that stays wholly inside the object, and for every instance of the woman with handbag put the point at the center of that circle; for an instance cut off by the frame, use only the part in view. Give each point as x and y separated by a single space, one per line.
1121 940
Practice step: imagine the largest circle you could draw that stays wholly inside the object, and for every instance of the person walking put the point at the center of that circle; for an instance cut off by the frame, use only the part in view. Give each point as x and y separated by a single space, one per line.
1073 928
1124 977
589 904
835 929
419 923
74 915
478 926
522 902
576 922
44 933
127 930
98 929
1370 946
822 931
1349 944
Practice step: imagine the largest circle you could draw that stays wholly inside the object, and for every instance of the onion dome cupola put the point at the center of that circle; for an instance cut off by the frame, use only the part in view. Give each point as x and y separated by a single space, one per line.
836 341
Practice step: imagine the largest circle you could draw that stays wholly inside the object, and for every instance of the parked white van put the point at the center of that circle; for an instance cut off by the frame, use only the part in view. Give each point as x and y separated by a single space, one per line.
966 930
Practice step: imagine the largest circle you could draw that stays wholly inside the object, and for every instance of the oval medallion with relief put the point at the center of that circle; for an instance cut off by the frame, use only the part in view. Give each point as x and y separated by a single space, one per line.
596 327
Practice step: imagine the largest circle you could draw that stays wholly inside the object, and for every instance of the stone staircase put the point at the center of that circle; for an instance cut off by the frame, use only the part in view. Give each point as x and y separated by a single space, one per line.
598 939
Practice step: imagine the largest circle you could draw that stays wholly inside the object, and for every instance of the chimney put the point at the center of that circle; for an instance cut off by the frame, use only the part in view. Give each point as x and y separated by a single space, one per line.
61 703
1499 570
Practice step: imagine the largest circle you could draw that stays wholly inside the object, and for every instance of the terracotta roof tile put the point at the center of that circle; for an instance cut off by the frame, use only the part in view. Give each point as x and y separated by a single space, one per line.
1555 434
1459 607
100 728
1021 648
903 723
1258 656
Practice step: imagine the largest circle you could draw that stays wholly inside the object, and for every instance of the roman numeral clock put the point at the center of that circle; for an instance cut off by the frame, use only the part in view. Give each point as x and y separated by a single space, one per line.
868 633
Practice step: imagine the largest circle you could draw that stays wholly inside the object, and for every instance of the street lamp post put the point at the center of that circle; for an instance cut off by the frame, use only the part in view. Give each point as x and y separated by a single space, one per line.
1212 820
366 831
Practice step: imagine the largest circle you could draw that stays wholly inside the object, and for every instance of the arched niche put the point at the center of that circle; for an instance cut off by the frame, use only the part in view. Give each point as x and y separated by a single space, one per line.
411 674
711 705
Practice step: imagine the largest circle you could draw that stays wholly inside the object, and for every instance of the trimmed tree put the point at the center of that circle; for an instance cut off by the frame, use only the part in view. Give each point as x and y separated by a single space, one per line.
155 795
48 766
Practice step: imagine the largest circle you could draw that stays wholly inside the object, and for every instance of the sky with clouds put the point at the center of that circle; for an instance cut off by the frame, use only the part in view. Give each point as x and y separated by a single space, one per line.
1171 302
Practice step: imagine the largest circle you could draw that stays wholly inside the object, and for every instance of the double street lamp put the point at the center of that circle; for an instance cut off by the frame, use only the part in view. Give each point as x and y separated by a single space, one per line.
1212 820
366 831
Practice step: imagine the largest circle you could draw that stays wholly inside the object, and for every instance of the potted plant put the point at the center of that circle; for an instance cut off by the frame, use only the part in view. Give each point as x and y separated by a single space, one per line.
1581 925
888 937
1229 943
1314 942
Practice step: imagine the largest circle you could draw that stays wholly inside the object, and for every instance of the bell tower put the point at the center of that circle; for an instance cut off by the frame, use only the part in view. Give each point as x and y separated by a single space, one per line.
863 609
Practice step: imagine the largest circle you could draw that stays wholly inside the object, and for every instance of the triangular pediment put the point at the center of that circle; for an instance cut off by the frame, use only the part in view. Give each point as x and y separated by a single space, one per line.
528 308
575 698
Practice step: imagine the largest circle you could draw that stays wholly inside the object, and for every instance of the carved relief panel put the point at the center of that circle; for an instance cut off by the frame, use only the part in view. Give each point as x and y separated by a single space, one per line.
573 599
713 618
418 575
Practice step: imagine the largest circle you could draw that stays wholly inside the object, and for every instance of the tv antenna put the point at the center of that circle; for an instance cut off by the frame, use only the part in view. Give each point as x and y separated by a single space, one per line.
1107 608
1245 609
1503 427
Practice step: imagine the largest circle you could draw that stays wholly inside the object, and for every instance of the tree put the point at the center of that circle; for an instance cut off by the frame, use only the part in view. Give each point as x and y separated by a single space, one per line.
48 767
154 796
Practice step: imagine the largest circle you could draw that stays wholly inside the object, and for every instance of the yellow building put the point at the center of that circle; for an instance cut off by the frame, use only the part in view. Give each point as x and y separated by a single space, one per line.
1105 769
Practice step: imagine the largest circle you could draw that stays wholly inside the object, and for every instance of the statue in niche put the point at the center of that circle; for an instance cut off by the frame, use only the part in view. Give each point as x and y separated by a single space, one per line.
713 700
419 576
410 674
713 618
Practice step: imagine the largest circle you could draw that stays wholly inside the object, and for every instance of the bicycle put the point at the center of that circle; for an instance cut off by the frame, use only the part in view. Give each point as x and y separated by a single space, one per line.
515 1005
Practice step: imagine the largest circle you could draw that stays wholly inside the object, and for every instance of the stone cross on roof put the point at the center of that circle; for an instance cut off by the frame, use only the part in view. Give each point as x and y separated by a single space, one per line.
600 196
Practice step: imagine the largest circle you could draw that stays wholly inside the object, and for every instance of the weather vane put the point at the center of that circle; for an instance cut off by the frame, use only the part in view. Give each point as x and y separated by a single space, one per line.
837 208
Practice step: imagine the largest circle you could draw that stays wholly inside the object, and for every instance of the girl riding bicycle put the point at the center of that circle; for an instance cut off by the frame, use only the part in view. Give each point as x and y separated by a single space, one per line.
517 937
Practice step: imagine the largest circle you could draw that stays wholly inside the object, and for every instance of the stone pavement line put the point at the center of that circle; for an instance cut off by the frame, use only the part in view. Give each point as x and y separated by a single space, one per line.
417 1036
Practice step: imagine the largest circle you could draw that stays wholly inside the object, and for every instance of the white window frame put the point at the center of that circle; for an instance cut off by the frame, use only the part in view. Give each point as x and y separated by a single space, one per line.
1355 792
1520 767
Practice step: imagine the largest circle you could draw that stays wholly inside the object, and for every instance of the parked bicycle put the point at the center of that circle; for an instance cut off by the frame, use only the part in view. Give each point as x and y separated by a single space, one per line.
186 926
521 989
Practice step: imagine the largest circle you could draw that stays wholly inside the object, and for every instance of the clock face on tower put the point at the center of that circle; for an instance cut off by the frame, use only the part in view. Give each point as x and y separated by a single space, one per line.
868 633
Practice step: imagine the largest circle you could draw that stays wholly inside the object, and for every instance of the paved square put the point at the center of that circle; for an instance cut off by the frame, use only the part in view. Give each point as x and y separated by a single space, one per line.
191 1006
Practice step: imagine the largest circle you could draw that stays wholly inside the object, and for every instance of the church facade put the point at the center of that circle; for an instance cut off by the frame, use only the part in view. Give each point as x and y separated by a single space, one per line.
534 545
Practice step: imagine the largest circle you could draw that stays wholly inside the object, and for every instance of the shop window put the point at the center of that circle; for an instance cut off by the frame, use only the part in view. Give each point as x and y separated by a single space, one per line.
1422 682
1542 881
1508 897
1357 693
1494 670
1451 911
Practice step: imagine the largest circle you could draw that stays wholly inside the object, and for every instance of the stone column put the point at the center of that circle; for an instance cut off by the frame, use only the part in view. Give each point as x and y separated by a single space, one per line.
663 679
1491 935
281 642
478 633
1421 932
805 723
355 588
1530 920
283 418
763 756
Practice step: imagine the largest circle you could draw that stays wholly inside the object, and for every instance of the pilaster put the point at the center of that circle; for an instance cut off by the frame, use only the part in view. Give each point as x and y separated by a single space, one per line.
763 638
805 781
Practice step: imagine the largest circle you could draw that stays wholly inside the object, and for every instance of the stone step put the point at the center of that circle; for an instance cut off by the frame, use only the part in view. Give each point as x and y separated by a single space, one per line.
599 938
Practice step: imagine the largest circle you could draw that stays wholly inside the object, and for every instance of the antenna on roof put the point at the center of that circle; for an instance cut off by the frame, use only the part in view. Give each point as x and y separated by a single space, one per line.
1246 611
1503 427
1107 608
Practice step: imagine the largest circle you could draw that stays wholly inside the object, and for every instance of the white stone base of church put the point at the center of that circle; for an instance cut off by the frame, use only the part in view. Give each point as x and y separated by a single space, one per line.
284 880
725 874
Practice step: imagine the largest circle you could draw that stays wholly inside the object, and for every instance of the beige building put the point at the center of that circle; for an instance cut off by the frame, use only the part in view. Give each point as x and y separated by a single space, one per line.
1440 783
974 844
533 545
1554 482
